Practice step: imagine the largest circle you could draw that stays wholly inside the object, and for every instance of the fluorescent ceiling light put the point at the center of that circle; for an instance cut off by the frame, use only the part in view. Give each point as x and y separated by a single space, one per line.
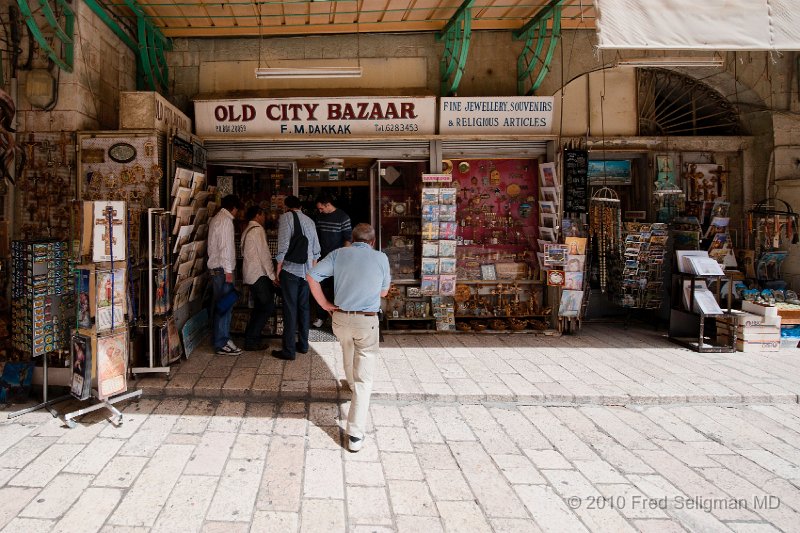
308 72
714 61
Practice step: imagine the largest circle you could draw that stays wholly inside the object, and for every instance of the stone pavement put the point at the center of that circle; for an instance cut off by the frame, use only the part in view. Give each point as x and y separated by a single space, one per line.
219 465
604 365
613 430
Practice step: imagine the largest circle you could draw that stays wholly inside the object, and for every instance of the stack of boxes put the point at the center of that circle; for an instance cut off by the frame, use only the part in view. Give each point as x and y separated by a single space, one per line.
758 328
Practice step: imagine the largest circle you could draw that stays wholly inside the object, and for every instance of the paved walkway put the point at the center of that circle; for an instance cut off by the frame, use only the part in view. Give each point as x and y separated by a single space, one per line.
604 365
185 465
613 430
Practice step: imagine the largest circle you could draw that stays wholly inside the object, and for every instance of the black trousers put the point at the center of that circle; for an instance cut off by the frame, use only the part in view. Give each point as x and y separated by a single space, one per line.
263 307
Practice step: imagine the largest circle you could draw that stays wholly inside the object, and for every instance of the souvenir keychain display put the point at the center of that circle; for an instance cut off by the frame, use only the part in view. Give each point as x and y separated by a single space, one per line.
605 229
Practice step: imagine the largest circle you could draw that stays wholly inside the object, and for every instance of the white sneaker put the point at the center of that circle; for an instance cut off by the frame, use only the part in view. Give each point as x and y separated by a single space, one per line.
233 346
354 444
317 323
227 350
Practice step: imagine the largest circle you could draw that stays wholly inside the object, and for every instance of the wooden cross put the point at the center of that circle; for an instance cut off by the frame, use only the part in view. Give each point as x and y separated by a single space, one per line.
29 145
63 142
697 182
108 221
722 180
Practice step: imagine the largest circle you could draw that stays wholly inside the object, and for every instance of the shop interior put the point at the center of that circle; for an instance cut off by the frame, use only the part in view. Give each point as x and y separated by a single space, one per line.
489 210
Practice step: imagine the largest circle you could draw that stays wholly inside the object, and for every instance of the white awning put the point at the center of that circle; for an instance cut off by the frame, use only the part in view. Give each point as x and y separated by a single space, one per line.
699 24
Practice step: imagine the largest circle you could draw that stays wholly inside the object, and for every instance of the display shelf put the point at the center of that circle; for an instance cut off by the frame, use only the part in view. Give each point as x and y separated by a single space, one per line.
688 328
406 318
501 281
345 183
477 317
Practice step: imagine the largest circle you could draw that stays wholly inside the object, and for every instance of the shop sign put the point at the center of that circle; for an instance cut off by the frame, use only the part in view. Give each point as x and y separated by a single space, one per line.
316 117
496 115
437 178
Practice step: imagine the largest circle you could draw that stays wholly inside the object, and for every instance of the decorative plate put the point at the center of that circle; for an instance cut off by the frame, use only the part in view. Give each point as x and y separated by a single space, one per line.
399 208
122 153
513 190
463 167
447 166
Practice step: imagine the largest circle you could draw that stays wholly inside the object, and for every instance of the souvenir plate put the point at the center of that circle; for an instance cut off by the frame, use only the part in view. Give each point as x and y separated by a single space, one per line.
122 153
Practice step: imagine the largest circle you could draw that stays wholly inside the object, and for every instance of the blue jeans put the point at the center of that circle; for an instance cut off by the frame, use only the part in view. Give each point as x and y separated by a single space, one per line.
296 319
220 322
263 307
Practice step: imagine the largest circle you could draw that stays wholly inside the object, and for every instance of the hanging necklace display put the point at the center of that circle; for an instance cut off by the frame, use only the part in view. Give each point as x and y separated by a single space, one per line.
605 229
771 227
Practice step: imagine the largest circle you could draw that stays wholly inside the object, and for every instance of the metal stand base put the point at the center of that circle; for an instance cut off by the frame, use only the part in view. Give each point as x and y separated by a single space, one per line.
148 370
116 417
45 402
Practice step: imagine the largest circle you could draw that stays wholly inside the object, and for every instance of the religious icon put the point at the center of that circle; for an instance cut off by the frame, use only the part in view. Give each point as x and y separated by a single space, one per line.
109 243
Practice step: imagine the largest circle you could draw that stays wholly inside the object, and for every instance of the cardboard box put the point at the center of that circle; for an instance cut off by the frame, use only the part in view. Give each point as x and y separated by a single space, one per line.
749 320
750 345
759 309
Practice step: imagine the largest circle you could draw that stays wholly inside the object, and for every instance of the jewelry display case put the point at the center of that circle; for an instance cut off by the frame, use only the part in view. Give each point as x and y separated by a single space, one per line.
463 252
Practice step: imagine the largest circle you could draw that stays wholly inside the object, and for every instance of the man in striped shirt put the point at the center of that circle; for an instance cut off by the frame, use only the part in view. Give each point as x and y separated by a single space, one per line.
334 231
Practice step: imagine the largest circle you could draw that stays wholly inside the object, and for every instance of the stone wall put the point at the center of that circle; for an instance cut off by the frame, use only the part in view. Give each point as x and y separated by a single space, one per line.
88 97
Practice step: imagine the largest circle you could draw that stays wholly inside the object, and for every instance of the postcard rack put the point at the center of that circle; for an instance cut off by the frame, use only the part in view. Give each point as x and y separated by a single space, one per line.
157 252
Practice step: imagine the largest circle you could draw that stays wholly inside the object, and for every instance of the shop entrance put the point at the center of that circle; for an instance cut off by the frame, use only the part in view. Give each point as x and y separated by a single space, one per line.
346 182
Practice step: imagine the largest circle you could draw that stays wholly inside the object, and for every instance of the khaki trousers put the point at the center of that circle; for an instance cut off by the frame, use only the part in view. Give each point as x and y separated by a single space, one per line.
359 336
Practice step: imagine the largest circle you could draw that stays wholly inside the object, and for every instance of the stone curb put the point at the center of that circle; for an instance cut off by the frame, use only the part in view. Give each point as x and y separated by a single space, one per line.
338 394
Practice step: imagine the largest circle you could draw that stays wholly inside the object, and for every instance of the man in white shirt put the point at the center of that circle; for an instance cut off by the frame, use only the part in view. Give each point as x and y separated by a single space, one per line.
259 273
222 264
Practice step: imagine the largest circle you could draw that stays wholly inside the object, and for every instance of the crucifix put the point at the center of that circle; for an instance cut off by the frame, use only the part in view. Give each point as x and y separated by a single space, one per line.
48 148
722 180
29 145
109 220
63 142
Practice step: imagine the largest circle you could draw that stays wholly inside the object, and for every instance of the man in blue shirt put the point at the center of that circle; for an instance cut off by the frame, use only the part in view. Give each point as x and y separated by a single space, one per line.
361 278
292 276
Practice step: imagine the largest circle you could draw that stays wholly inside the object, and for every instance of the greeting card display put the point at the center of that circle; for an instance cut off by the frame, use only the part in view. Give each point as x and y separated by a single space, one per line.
111 301
81 353
112 354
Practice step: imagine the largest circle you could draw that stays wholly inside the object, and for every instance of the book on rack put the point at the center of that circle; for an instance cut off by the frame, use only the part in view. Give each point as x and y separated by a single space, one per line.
704 266
704 300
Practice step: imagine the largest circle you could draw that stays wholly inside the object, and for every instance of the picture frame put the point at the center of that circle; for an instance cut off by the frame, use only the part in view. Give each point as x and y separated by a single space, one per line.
489 272
548 220
547 175
547 234
547 206
413 292
549 194
610 172
555 278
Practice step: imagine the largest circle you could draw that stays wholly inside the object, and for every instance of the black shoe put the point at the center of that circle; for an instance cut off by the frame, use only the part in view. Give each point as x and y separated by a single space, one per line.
302 352
280 355
255 347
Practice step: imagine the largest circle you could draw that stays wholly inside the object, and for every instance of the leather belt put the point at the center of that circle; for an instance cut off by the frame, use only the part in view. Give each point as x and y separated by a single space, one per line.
364 313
